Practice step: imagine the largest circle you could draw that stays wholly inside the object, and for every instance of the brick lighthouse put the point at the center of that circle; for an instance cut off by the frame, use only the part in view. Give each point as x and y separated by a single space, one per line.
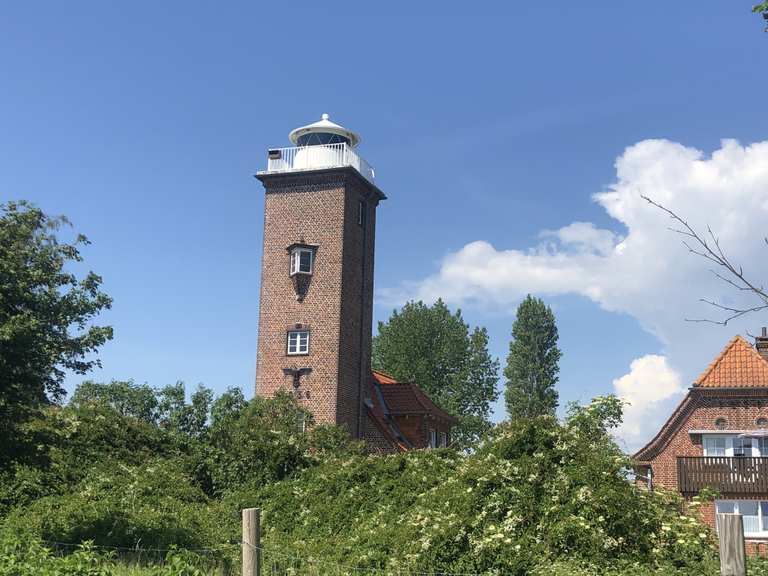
316 302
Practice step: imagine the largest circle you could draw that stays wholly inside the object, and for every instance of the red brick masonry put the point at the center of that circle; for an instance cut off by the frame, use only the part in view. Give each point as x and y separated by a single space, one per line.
733 391
321 209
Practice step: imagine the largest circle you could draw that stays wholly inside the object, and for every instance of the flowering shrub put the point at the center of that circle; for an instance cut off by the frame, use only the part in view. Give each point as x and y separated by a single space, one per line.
536 497
535 494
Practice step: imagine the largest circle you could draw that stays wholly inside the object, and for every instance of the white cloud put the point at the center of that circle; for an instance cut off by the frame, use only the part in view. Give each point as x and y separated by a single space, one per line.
646 388
585 238
644 270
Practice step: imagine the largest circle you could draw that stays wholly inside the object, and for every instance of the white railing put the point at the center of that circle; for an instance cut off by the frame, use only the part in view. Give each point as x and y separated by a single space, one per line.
315 157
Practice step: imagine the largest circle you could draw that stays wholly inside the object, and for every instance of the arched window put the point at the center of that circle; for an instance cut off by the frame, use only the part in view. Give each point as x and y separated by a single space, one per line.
721 424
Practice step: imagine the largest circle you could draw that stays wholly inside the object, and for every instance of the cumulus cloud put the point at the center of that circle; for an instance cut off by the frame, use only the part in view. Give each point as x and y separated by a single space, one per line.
639 268
646 388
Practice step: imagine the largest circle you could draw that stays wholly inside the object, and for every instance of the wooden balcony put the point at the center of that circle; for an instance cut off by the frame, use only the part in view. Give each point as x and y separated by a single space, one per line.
726 474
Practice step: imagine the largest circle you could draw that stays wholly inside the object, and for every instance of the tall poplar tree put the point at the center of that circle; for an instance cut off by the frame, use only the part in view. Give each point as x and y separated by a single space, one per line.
532 365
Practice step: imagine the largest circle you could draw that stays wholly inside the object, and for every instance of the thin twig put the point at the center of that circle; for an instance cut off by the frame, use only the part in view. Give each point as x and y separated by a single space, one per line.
717 256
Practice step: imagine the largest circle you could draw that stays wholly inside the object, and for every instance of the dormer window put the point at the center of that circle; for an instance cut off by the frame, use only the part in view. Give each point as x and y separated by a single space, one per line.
302 260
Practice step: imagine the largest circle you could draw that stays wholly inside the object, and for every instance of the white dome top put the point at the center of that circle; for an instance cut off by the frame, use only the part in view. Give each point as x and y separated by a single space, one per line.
325 126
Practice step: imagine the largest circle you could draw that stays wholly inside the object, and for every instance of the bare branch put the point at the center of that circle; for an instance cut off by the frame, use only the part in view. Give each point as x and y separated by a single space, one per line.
735 275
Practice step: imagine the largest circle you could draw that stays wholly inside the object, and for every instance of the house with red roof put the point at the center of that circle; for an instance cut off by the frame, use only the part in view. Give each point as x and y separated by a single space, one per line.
408 414
717 439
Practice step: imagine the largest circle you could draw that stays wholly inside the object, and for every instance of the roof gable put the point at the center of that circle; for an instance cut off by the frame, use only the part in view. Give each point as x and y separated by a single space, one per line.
739 365
407 398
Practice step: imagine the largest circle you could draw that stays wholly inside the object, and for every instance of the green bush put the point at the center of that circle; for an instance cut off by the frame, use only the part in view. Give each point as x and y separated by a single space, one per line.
538 496
29 557
154 505
535 493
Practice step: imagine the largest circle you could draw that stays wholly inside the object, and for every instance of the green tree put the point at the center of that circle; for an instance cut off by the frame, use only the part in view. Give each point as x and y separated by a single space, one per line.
178 416
532 364
46 316
761 8
125 397
432 347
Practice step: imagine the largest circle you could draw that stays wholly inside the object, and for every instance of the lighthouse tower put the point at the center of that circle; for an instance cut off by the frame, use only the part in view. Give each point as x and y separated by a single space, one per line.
315 313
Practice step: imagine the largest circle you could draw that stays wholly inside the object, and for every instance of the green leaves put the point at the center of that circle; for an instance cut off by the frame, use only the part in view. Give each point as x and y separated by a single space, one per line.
46 317
432 347
533 361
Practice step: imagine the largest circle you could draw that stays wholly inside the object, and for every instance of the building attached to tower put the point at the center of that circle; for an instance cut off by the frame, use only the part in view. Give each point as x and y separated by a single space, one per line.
316 303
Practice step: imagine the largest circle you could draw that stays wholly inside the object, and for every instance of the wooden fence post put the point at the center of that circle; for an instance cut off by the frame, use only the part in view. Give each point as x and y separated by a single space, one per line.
251 542
730 529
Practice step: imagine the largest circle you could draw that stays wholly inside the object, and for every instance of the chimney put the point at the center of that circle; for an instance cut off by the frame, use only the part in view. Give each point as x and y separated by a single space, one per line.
761 343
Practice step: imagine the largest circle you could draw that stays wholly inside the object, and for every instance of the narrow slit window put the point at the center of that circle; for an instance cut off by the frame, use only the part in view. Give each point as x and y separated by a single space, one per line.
298 342
360 212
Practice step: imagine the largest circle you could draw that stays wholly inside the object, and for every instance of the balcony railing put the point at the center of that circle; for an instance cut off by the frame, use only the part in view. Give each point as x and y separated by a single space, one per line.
726 474
303 158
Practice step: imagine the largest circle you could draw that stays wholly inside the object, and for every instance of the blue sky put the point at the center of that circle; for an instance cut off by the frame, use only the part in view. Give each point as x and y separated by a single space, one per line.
145 122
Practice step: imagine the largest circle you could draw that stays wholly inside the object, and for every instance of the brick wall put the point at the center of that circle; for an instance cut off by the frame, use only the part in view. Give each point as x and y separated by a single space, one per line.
416 428
318 208
739 407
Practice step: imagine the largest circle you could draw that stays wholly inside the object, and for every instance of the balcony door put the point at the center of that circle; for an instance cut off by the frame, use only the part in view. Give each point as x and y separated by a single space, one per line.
722 445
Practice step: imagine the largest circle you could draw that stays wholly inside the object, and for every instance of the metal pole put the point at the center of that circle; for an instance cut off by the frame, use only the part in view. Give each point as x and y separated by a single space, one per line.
251 542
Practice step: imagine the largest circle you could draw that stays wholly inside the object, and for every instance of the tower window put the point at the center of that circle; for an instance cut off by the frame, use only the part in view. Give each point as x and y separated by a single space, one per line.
298 342
360 212
302 261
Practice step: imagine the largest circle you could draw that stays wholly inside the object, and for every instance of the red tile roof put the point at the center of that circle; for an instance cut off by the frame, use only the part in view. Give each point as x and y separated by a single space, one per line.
378 412
407 398
739 365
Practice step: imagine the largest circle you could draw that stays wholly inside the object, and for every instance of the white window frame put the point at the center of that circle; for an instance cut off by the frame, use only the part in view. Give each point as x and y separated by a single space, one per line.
739 446
297 342
760 516
443 439
432 438
733 444
711 450
296 254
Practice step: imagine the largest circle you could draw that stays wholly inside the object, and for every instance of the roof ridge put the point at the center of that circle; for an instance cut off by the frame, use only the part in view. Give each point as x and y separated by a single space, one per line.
719 358
711 377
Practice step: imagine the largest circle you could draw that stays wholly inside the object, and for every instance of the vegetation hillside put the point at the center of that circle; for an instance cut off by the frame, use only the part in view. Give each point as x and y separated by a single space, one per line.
127 466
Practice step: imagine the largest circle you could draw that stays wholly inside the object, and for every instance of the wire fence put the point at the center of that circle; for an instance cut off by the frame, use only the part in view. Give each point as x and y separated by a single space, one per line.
225 561
274 563
136 560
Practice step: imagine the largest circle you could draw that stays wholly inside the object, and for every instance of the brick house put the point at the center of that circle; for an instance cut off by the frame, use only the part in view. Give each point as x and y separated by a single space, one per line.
717 438
316 303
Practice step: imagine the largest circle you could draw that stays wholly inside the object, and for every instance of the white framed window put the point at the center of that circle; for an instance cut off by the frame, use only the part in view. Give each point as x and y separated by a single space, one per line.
733 445
714 445
302 261
298 342
432 438
443 439
742 446
754 513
